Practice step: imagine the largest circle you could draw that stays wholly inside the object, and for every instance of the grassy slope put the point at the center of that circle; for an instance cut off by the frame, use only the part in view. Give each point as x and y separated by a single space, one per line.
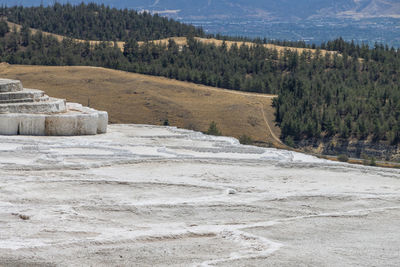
135 98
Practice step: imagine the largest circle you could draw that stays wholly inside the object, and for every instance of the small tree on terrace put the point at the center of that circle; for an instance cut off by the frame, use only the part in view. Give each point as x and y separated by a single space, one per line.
213 129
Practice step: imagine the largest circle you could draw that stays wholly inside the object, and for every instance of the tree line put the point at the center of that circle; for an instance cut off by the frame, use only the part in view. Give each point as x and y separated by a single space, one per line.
97 22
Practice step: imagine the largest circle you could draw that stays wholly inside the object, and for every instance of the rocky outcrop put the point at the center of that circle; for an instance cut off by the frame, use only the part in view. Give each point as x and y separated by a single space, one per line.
31 112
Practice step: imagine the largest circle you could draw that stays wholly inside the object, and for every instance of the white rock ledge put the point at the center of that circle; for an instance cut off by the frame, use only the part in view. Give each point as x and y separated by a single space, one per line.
7 85
53 105
30 112
23 94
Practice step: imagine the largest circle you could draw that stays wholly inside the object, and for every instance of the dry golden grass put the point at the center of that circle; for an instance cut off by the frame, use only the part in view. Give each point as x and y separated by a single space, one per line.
135 98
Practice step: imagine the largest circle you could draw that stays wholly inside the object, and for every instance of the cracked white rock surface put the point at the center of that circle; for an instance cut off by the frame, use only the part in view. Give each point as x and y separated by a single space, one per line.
156 196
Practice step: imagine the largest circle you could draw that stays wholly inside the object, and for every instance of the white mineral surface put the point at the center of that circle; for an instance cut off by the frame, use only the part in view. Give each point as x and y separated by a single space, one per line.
154 196
31 112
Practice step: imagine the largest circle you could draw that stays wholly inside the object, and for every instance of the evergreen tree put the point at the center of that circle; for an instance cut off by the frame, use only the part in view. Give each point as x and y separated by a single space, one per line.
3 28
213 129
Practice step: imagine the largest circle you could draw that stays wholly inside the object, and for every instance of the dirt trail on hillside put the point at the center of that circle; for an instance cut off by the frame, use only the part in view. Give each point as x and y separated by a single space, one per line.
276 138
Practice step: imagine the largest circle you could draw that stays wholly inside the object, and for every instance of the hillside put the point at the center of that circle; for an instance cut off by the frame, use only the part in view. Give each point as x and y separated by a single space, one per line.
181 41
60 38
134 98
97 22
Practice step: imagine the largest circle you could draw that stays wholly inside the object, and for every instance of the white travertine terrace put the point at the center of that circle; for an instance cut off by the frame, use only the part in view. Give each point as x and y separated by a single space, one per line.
31 112
143 195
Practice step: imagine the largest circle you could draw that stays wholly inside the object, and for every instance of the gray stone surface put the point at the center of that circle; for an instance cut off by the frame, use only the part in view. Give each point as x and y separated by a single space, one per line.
53 105
7 85
102 116
23 94
26 100
31 112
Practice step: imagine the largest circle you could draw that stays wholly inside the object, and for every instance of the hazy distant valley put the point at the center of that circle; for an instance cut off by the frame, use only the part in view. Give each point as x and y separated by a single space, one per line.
285 11
314 21
369 31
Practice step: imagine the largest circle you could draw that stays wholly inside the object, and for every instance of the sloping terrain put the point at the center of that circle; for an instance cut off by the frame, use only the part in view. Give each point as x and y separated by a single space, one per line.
134 98
14 26
155 196
179 41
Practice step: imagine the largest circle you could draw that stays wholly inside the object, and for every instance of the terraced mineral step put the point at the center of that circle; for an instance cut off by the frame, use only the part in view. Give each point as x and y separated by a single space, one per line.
76 121
31 112
24 94
7 85
26 100
53 105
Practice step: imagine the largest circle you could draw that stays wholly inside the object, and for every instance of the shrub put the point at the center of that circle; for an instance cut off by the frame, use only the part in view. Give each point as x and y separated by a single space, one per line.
245 140
213 129
3 28
289 141
343 158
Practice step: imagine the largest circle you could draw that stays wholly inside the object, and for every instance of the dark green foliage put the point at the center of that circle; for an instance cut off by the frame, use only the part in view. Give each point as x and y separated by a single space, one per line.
289 141
343 97
343 158
245 140
372 162
97 22
25 35
3 28
213 129
364 157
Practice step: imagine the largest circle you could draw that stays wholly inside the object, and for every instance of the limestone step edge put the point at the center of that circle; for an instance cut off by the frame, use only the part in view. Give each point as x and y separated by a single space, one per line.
26 100
7 85
25 93
79 121
53 105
